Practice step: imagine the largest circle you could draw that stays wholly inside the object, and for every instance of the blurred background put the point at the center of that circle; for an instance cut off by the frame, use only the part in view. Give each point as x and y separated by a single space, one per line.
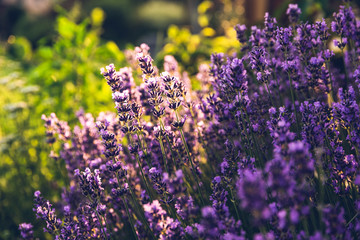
50 55
132 21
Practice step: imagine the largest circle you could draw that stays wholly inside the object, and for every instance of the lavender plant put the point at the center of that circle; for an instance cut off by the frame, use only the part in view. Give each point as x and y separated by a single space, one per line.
267 149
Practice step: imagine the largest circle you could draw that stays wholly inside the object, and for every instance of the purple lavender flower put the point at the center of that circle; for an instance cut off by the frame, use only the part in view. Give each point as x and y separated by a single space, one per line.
112 77
186 208
145 63
333 217
159 184
26 231
44 210
257 37
54 125
216 65
347 109
112 149
156 216
240 33
284 37
174 90
209 227
90 184
301 161
293 12
356 77
315 71
322 30
218 197
315 122
170 64
344 23
71 228
259 62
280 182
270 24
235 74
252 193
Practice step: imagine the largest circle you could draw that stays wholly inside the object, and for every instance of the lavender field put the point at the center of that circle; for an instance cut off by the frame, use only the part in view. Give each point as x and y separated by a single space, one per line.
261 143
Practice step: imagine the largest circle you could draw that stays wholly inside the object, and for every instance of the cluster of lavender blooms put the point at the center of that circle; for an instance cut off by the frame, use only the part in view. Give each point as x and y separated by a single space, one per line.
267 149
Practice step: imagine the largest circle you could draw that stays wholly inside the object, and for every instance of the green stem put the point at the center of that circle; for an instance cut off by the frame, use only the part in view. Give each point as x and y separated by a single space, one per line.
262 164
293 101
256 154
352 219
163 153
234 203
306 227
100 223
192 166
190 159
278 87
169 146
346 73
142 173
130 218
142 215
331 83
162 146
268 90
144 149
143 177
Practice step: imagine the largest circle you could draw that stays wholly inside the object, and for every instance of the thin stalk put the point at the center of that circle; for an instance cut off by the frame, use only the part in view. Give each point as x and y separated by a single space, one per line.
306 227
190 159
346 73
256 154
169 146
175 215
143 177
329 195
142 215
130 218
331 100
142 173
162 147
320 179
234 203
101 228
186 176
192 166
144 149
163 153
347 205
171 150
349 134
206 149
268 90
293 101
352 219
312 217
262 164
248 151
278 87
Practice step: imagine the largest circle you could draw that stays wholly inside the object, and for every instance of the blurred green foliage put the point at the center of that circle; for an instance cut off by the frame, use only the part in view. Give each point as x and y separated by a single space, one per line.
63 77
192 49
68 69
